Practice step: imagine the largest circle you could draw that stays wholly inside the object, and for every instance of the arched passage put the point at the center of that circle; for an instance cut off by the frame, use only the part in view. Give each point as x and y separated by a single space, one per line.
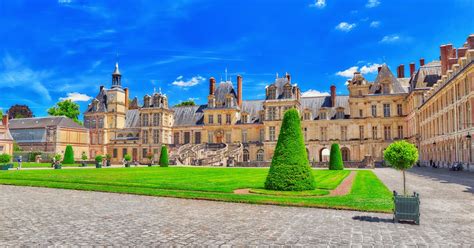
324 155
345 154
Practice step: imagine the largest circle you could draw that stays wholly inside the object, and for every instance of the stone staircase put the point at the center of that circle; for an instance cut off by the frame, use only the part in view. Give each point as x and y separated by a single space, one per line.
207 154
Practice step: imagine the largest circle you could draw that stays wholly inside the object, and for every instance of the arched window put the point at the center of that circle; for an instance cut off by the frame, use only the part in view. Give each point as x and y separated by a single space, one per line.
345 154
246 155
260 155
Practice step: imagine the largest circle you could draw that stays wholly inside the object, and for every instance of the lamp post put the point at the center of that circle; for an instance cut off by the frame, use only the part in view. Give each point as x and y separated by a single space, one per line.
434 150
469 138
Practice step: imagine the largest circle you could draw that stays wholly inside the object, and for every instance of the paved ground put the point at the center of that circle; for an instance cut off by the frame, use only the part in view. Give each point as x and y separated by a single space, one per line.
41 216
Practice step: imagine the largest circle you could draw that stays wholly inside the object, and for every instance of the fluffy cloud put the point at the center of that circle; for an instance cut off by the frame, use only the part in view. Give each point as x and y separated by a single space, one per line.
191 82
390 38
372 3
318 4
345 27
76 97
365 69
14 74
311 93
374 24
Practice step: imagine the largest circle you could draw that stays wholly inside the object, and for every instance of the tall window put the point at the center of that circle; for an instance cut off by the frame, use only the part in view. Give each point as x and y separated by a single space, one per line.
324 133
115 153
144 152
262 135
246 155
156 136
210 137
272 133
322 116
287 92
307 115
386 110
260 155
271 93
374 132
101 122
156 119
219 119
399 110
374 110
272 113
197 137
387 132
176 138
145 137
145 120
227 119
340 114
343 133
187 137
244 135
361 113
124 151
400 132
305 133
245 118
210 119
361 132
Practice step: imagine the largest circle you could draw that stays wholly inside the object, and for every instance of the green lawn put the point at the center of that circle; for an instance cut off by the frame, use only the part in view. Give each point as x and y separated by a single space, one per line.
368 193
43 165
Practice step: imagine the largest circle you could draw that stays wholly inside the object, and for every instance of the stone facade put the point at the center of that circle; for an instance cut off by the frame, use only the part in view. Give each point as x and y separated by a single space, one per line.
229 130
6 140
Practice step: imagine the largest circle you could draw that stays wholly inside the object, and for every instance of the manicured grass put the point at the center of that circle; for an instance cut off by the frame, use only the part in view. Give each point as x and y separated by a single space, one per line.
368 193
43 165
316 192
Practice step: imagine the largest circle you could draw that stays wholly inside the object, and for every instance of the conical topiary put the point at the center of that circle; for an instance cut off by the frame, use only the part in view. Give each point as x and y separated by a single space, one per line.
335 158
290 170
68 155
164 157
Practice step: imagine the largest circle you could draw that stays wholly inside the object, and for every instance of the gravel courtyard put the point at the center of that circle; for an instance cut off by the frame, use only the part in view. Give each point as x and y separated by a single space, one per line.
46 217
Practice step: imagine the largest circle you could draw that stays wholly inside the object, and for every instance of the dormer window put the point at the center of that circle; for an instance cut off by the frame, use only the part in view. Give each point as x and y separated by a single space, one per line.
323 116
271 92
386 88
340 114
307 115
228 101
146 101
245 118
287 91
156 101
212 102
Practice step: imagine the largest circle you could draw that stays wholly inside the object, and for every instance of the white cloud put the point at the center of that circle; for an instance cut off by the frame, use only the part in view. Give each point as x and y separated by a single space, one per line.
14 74
191 82
345 27
76 97
372 3
348 73
365 69
375 24
312 93
64 1
318 4
390 38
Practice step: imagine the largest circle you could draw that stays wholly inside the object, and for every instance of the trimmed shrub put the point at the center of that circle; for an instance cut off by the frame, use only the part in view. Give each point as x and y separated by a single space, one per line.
5 158
32 156
99 158
290 170
164 157
127 157
335 158
401 155
68 155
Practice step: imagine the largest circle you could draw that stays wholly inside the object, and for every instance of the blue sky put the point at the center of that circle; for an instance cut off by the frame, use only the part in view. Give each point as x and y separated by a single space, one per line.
55 49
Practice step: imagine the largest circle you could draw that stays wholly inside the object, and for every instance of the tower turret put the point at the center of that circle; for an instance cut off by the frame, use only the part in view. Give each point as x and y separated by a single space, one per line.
116 77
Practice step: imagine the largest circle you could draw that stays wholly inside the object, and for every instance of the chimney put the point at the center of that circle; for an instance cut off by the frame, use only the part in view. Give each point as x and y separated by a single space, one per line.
333 95
126 97
444 59
239 90
470 41
5 121
401 71
288 77
412 69
462 52
212 85
379 68
422 62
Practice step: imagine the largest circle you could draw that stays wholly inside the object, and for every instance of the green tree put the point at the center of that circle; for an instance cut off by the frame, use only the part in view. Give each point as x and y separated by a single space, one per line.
5 158
335 158
1 112
68 155
66 108
186 103
290 170
401 155
164 157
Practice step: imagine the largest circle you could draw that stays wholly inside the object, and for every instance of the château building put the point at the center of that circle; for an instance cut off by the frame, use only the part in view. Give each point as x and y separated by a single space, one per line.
6 140
430 107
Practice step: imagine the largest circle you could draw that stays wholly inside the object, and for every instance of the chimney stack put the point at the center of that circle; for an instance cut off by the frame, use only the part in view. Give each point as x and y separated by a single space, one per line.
422 62
444 59
462 52
239 90
412 69
288 77
333 95
126 98
212 85
401 71
5 121
470 41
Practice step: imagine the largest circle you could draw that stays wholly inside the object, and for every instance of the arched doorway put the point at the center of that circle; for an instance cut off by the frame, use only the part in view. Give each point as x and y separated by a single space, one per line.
345 154
260 155
324 155
246 155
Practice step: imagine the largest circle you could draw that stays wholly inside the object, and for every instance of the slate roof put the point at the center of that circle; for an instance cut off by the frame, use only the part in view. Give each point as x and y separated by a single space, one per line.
132 118
426 76
6 135
102 102
43 122
279 84
188 115
222 90
385 75
316 103
252 107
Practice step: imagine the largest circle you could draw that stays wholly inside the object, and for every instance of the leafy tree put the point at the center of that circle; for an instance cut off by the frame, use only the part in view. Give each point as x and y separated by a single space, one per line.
66 108
186 103
19 111
164 157
16 147
68 155
335 158
401 155
290 170
5 158
1 112
84 156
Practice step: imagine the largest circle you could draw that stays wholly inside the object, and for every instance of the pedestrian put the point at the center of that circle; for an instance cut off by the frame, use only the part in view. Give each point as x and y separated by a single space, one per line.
19 160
